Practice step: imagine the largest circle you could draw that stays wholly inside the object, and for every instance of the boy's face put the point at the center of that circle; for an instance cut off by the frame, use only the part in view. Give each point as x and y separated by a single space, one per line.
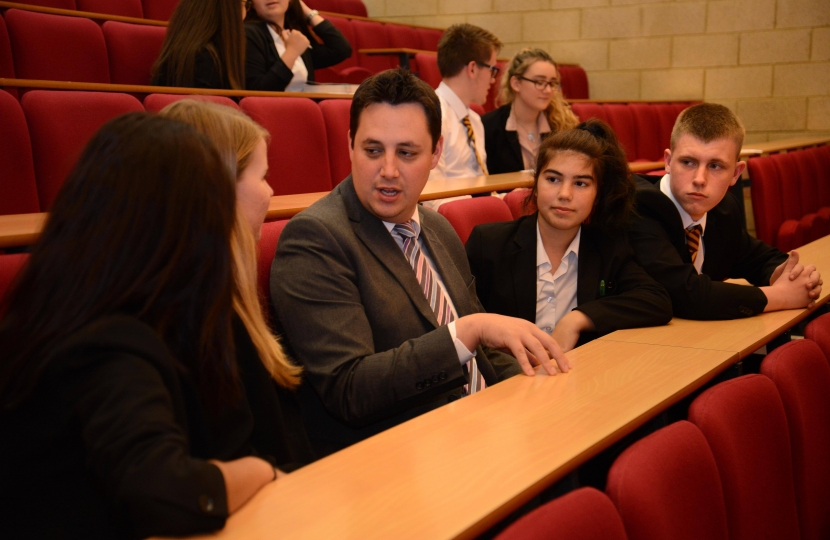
701 173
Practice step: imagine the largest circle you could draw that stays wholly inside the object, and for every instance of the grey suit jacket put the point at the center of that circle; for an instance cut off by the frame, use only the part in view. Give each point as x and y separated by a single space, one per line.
353 314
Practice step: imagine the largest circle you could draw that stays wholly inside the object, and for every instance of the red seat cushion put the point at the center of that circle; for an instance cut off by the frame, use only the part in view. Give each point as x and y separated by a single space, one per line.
584 514
156 102
766 198
429 38
818 331
297 155
10 265
650 144
744 423
372 35
266 249
802 376
428 69
60 124
586 111
59 4
124 8
666 486
515 201
159 10
18 190
621 119
336 117
465 214
132 49
57 48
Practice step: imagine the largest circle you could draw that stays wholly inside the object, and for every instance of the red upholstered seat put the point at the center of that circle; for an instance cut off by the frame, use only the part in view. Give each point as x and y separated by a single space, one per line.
347 71
156 102
18 190
465 214
159 10
584 514
650 144
493 92
818 331
57 48
766 196
744 423
298 153
790 231
515 201
428 69
266 249
666 487
354 7
132 49
574 81
802 376
402 36
586 111
124 8
429 38
336 117
60 4
6 59
60 124
621 119
331 6
10 265
372 35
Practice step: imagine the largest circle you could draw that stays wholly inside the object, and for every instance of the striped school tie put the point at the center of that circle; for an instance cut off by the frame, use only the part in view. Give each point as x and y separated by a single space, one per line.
693 240
471 139
438 301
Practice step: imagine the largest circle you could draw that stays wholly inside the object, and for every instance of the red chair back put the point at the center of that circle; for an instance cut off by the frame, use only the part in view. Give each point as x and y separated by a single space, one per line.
159 10
133 49
59 4
156 102
744 423
465 214
802 376
57 48
372 35
666 487
429 38
818 331
336 117
60 124
297 155
584 514
18 189
124 8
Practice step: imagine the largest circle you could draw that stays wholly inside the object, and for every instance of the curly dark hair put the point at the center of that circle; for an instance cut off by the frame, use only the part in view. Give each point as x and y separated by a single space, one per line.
595 139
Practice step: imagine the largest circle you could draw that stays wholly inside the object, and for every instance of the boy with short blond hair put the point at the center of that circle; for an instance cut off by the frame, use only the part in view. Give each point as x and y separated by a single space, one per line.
690 235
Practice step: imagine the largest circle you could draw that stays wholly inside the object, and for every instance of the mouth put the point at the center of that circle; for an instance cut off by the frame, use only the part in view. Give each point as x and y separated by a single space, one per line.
388 193
562 210
696 196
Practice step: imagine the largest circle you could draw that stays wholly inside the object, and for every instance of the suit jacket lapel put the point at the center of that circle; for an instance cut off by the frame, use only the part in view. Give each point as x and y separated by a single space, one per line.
587 281
523 267
377 239
515 147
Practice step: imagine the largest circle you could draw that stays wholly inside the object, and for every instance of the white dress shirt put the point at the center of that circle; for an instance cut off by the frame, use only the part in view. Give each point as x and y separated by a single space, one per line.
299 68
458 159
464 354
665 187
555 291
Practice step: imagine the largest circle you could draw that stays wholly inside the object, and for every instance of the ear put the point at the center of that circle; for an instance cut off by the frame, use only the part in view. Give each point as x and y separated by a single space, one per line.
471 69
740 167
436 155
667 158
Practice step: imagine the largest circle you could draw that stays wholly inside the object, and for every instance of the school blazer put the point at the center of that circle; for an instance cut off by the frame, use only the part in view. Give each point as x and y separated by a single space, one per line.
504 153
612 289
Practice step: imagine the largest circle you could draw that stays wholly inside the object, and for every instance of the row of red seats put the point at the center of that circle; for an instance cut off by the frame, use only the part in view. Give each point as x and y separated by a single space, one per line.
751 463
791 196
161 10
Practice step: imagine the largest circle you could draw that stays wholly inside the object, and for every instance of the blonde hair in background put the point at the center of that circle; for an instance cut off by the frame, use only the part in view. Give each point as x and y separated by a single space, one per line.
559 113
236 136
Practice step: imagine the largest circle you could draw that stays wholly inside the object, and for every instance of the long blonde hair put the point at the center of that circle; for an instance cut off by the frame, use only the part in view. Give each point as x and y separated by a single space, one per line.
236 136
558 112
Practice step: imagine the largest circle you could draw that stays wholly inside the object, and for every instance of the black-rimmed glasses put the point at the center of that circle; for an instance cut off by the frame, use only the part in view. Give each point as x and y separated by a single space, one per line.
542 84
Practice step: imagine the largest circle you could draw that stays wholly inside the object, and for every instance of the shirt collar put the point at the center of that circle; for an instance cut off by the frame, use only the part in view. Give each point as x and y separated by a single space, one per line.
452 100
542 124
542 255
416 223
665 187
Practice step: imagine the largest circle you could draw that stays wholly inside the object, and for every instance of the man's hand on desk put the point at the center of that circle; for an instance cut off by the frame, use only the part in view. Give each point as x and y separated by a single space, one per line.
523 339
793 285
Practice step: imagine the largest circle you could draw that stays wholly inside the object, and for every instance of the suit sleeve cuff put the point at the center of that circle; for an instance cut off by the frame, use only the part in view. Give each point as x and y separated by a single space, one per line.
464 354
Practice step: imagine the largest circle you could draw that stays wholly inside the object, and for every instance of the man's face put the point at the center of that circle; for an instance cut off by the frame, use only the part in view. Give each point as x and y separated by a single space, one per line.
701 173
391 158
483 80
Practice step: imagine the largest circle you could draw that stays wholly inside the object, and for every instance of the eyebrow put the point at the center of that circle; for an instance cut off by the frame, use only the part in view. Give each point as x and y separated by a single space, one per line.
579 176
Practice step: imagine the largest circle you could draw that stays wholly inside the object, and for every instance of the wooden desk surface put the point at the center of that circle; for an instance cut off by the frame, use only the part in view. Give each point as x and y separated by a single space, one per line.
20 229
394 50
741 336
456 471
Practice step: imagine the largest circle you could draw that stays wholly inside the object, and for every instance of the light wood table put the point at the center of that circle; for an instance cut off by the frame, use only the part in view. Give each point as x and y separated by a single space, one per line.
20 229
741 336
456 471
759 149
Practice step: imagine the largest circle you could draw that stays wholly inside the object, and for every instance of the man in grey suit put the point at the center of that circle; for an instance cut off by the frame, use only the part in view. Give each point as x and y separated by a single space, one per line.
374 295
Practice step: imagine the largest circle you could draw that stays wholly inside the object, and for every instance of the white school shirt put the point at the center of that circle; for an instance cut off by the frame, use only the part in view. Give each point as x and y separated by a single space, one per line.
555 292
464 354
665 187
458 159
299 68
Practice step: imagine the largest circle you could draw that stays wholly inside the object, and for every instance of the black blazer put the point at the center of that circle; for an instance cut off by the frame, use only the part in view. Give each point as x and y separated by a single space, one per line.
504 154
205 74
355 317
503 259
659 244
265 70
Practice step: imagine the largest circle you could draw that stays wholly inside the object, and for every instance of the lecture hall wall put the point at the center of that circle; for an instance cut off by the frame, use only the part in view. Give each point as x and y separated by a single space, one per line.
768 60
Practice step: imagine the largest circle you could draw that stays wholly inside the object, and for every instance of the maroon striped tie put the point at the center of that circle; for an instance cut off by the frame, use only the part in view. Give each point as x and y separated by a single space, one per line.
693 240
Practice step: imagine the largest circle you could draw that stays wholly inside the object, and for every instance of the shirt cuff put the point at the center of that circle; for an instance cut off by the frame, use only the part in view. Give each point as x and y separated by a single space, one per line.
464 354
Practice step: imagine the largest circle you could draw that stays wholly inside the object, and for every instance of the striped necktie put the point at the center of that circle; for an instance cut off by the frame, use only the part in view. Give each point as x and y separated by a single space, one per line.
438 300
693 240
471 139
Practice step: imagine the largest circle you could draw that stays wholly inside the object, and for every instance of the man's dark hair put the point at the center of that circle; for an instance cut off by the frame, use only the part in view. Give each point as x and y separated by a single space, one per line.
394 87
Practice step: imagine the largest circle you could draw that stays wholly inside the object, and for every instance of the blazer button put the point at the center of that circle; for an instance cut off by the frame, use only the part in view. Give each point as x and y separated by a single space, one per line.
419 386
452 397
206 504
442 375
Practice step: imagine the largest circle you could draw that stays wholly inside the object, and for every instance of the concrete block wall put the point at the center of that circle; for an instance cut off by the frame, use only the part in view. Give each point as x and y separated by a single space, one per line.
768 60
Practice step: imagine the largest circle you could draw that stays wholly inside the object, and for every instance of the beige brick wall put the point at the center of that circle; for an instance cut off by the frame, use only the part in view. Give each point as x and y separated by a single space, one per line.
768 60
